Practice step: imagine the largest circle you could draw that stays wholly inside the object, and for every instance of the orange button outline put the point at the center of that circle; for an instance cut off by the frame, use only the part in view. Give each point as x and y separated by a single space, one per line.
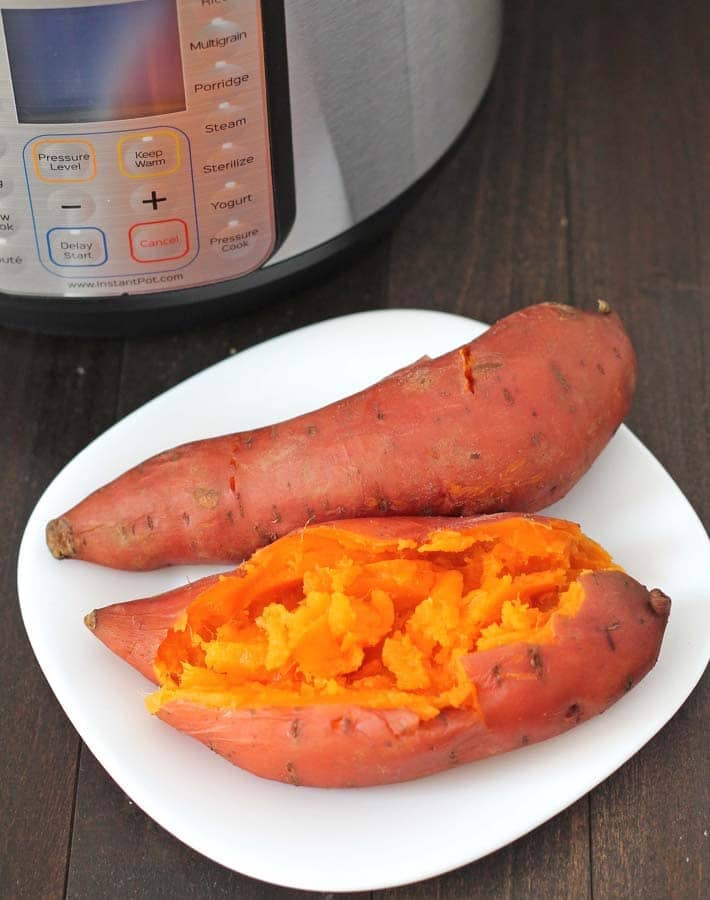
136 135
163 258
38 173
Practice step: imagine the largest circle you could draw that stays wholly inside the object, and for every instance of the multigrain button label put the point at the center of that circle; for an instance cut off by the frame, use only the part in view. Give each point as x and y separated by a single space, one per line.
217 41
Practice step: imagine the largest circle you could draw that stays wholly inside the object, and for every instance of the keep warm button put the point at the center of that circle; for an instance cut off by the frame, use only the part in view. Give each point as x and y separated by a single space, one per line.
159 241
149 154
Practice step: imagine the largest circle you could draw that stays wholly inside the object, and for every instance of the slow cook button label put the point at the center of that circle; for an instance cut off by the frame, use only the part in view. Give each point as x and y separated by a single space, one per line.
9 223
77 247
159 241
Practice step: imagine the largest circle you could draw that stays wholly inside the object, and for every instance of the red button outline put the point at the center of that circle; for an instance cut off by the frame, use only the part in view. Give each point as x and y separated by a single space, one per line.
162 258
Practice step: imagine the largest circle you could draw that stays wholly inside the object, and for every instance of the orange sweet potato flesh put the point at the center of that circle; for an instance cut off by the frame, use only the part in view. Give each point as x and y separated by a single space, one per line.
509 421
374 651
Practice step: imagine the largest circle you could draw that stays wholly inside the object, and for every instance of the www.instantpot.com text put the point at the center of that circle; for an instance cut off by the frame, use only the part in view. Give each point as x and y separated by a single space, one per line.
139 281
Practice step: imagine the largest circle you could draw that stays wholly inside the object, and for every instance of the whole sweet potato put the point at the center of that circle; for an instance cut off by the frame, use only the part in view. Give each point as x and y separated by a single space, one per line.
373 651
509 421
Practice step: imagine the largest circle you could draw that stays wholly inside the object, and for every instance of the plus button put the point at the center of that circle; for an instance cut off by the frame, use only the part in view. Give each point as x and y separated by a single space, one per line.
154 200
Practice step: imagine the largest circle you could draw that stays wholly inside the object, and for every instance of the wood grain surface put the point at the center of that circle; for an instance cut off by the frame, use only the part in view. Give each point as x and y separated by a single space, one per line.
582 176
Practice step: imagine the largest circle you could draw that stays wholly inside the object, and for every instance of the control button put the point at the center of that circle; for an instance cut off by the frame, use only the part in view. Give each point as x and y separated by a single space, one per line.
234 241
11 263
159 241
77 247
227 119
6 186
220 34
149 154
71 206
223 81
9 223
58 159
231 197
224 67
230 159
212 9
154 199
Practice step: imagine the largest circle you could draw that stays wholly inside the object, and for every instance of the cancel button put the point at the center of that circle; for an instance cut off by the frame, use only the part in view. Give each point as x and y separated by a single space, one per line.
159 241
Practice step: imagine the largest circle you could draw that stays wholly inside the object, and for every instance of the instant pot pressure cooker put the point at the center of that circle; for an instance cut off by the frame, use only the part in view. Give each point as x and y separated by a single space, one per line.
160 157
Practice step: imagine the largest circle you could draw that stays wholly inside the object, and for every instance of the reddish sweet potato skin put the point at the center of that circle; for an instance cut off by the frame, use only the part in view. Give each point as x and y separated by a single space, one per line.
134 630
526 694
509 421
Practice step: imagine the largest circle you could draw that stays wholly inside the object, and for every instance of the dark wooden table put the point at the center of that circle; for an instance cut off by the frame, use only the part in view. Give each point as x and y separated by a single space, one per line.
581 177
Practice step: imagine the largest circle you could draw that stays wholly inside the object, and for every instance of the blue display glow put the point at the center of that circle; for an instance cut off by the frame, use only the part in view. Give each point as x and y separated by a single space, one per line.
95 63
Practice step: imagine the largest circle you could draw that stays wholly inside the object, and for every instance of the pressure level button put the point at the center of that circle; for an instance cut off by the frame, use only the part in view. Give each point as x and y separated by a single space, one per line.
59 159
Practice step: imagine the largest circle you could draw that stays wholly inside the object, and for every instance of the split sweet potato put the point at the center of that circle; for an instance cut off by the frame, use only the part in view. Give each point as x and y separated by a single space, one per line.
509 421
374 651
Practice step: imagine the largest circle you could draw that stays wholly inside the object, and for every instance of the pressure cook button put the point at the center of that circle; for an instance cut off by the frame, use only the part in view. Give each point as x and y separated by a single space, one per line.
59 159
77 247
159 241
234 241
149 154
71 206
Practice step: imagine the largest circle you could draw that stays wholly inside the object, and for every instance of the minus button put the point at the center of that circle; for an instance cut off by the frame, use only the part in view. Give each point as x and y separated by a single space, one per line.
70 206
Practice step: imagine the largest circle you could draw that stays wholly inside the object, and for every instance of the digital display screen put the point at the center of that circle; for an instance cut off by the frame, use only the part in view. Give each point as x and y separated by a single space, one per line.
95 63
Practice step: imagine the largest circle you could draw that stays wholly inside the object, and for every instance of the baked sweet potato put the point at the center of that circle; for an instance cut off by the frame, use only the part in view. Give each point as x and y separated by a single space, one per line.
373 651
509 421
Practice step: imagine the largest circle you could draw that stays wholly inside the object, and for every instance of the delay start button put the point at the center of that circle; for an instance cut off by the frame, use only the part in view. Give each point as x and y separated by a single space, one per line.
78 247
159 241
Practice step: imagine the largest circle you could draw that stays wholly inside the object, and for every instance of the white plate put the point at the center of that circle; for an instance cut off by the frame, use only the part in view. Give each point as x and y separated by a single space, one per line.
368 838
